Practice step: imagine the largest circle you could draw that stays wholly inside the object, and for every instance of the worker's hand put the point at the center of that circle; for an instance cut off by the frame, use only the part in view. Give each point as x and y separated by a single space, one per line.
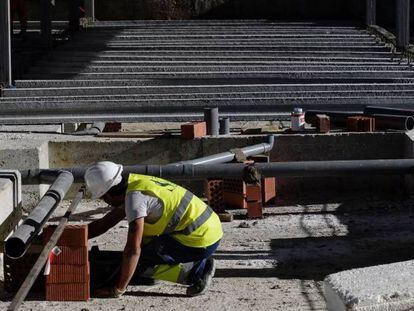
109 292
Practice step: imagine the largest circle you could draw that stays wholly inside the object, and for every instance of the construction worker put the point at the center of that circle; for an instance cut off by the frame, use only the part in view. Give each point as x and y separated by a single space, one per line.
172 233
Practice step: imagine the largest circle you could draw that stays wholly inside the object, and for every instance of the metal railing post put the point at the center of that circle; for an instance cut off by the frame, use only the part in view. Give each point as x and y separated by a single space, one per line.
403 23
46 22
5 44
90 9
371 12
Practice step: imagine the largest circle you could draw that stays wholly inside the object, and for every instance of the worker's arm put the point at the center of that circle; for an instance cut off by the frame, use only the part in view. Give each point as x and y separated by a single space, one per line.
131 253
102 225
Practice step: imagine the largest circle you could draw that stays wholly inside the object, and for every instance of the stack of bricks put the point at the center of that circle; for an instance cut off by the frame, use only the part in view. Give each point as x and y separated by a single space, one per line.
193 130
323 123
268 184
214 194
360 124
69 277
239 194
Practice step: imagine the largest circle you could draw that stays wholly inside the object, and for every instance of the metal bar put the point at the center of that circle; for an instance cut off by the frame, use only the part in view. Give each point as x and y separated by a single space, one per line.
5 44
21 239
403 23
229 156
44 255
90 9
46 22
371 12
279 169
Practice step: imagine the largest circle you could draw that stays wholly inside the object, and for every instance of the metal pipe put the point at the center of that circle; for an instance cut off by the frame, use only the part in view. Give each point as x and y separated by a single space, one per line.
403 23
225 126
96 128
5 44
18 243
387 121
274 169
211 116
371 12
370 110
44 255
336 117
228 156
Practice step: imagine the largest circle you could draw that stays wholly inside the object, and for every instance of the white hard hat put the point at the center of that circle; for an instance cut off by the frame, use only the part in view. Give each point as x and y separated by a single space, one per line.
101 177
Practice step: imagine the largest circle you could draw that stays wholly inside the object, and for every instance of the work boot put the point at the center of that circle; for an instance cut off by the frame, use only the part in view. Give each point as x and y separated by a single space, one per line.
200 287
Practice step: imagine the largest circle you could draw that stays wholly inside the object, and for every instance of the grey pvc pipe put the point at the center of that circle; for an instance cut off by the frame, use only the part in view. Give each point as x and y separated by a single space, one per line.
21 239
96 128
225 126
228 156
275 169
211 117
385 121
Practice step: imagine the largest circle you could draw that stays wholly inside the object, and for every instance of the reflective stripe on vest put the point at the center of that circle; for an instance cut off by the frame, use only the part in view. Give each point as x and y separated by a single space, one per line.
198 222
179 212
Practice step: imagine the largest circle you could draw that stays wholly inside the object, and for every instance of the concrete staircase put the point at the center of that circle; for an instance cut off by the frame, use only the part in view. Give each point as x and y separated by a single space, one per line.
171 70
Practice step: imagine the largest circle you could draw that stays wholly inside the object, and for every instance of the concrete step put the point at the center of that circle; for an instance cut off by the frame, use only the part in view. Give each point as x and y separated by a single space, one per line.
78 95
225 90
162 106
361 74
275 48
200 83
221 68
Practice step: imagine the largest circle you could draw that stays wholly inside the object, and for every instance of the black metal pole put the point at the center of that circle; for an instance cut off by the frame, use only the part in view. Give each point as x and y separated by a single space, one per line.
18 243
44 255
5 44
371 12
403 23
395 122
46 22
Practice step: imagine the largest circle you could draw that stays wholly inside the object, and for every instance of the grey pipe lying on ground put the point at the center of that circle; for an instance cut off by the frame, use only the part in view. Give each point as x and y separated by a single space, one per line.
239 170
96 128
394 122
21 239
229 156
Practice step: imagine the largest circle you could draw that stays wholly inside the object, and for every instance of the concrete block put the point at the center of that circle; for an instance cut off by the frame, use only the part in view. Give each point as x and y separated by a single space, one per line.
379 288
26 154
10 201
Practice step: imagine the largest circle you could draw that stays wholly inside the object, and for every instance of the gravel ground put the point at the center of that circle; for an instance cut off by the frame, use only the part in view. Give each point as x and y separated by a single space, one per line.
275 263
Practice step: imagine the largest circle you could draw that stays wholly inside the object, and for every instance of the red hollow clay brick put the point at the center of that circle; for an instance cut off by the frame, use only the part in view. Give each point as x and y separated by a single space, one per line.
68 292
253 193
73 235
254 210
214 194
60 274
268 189
193 130
235 200
71 255
323 123
360 124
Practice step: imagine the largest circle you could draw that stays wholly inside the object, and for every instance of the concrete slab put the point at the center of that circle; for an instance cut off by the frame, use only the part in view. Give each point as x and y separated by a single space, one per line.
379 288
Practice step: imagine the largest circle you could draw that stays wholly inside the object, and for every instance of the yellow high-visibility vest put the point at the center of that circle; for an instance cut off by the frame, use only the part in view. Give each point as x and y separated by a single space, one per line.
185 217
